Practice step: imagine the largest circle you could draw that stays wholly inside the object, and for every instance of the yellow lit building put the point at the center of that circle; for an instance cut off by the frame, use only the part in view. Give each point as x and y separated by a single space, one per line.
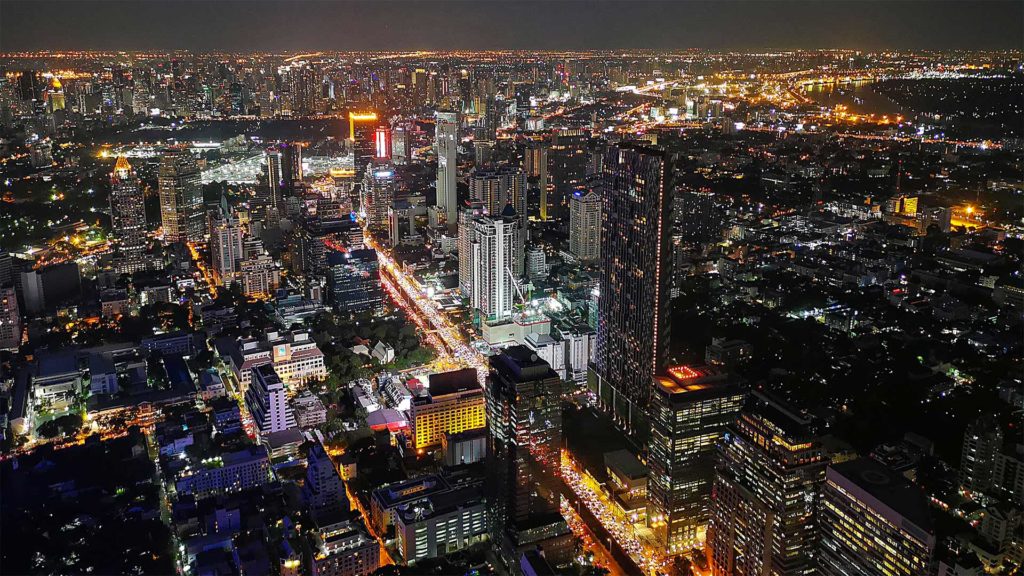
455 403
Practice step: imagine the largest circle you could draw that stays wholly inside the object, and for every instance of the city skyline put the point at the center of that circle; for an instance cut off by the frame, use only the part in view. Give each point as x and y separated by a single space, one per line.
236 25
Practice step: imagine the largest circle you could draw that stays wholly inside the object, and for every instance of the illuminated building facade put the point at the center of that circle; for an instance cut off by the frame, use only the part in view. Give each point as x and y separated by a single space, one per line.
225 248
524 419
495 256
376 196
10 319
127 218
497 187
690 410
382 143
585 225
635 280
353 282
266 402
294 356
535 164
873 523
181 197
446 132
362 133
454 403
468 213
765 495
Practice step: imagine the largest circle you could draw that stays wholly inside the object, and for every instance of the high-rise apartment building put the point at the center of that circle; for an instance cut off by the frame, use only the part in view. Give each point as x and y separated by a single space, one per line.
468 213
524 421
323 490
10 319
535 164
585 225
983 440
498 187
496 255
764 500
225 248
689 412
454 403
266 402
127 218
635 279
181 197
873 522
446 132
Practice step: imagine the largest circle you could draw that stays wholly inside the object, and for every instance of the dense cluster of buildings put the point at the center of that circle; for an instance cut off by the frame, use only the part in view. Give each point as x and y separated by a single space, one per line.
467 308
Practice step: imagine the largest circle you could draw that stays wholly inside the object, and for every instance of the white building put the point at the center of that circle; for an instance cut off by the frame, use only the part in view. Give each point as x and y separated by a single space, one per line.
309 410
585 225
225 248
294 356
468 213
496 251
266 402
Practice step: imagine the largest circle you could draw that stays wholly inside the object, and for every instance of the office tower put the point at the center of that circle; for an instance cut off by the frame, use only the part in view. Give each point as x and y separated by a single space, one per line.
376 196
353 282
401 222
468 213
318 236
635 279
536 263
524 423
696 217
127 218
181 197
568 160
382 143
266 401
453 403
496 255
690 410
274 175
535 163
873 522
323 490
765 495
585 225
291 167
225 248
401 145
983 440
446 132
10 319
362 133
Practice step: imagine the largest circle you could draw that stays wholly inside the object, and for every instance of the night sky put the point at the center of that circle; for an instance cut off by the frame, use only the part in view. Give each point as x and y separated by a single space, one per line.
288 25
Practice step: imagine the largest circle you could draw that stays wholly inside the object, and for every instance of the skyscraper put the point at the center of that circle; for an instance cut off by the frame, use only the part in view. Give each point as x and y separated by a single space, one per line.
446 131
569 158
873 523
635 279
225 248
496 255
181 197
498 188
690 410
535 163
585 225
376 196
468 213
765 495
10 319
353 281
524 422
362 133
127 218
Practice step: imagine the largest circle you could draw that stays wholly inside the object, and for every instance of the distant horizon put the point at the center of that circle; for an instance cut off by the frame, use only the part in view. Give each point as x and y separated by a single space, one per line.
601 25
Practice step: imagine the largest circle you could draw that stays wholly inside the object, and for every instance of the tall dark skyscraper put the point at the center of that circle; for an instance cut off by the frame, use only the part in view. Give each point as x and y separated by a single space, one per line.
127 218
765 496
689 412
635 280
362 132
524 419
